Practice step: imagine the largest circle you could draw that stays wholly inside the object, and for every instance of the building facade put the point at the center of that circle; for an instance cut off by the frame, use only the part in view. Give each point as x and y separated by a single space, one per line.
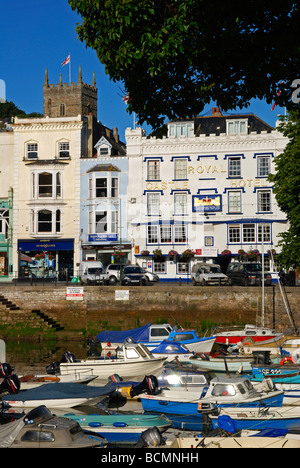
202 193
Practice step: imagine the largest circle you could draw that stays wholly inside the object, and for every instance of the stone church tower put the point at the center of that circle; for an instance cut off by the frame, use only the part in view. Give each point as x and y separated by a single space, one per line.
70 100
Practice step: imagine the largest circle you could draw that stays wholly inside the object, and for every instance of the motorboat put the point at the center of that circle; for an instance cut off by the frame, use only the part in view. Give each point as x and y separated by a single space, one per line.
39 428
184 377
257 419
173 350
120 429
231 363
223 391
32 380
246 442
248 335
151 335
129 360
58 395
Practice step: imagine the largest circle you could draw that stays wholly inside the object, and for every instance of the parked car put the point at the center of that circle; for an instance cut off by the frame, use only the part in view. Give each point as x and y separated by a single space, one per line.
208 274
113 272
247 273
133 274
92 272
151 277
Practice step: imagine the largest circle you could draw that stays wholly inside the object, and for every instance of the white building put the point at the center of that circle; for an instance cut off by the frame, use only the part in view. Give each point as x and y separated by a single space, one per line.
202 187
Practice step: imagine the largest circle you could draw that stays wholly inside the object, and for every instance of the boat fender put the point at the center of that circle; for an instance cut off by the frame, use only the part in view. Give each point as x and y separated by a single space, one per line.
95 424
119 424
286 360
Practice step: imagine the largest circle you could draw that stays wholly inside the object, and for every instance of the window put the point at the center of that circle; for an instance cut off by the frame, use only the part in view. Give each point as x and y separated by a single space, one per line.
153 170
4 221
62 110
165 234
103 150
46 185
234 234
114 222
183 268
114 187
159 267
234 201
152 235
266 229
153 203
181 130
101 188
180 200
63 150
180 168
249 233
263 166
234 167
180 234
48 221
101 222
38 436
237 127
32 150
264 200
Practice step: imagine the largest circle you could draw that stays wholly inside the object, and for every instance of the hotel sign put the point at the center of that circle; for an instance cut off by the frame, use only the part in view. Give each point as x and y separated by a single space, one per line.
207 203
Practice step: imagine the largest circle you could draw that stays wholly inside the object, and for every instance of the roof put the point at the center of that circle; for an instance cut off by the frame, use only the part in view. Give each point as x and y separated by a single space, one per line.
104 168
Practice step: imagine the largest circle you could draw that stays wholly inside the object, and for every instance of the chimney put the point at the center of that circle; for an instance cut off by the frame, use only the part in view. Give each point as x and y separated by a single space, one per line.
216 112
116 135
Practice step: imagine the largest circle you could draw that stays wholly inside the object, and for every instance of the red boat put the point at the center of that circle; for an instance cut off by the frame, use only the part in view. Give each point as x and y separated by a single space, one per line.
250 334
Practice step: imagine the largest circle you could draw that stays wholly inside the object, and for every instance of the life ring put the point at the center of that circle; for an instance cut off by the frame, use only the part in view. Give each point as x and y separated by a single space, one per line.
286 360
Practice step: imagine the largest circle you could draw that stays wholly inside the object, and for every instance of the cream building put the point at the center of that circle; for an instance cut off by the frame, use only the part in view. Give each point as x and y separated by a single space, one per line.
202 187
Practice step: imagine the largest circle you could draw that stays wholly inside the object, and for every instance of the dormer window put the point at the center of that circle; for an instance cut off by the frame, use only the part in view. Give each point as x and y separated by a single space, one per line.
32 150
237 127
63 150
103 147
181 129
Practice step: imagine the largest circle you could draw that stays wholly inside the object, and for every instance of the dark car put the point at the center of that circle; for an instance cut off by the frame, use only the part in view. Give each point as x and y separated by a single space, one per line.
133 275
247 273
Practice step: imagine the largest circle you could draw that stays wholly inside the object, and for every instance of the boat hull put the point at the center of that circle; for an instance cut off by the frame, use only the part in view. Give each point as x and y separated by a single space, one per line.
218 364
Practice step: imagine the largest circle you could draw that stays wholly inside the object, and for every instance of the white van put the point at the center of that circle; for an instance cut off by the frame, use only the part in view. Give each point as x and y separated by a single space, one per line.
92 272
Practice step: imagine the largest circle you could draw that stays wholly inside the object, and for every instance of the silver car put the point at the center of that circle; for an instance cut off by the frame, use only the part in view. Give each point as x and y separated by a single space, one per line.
208 274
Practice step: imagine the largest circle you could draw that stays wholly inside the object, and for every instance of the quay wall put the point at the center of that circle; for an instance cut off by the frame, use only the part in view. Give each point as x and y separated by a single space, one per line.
186 305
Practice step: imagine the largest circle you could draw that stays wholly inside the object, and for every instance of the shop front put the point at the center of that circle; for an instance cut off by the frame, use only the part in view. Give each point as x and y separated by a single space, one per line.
46 258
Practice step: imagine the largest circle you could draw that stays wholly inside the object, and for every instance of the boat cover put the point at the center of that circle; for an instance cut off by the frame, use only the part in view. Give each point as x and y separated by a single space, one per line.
161 348
137 334
54 391
8 432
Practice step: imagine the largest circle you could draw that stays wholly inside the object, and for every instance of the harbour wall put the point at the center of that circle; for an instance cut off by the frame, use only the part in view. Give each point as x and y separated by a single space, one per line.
45 309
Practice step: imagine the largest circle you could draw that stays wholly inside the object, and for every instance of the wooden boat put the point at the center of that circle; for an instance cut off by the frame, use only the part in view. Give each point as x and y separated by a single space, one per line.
32 381
250 334
41 429
256 419
58 395
130 360
120 429
233 442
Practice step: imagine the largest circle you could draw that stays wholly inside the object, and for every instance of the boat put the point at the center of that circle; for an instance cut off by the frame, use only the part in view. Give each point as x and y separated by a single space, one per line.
257 419
151 335
32 380
187 408
58 395
248 335
184 377
39 428
128 360
172 350
120 429
233 442
222 364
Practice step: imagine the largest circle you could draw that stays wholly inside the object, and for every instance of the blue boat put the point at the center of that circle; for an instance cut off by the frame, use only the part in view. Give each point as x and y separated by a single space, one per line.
223 391
151 335
257 419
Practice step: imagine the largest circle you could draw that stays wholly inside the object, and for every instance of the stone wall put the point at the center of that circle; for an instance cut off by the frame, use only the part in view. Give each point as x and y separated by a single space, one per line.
186 305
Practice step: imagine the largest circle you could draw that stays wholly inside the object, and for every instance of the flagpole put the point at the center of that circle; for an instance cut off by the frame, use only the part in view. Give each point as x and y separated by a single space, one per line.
70 69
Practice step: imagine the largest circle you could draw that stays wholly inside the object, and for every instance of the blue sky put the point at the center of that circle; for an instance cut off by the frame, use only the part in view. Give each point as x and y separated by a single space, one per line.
40 34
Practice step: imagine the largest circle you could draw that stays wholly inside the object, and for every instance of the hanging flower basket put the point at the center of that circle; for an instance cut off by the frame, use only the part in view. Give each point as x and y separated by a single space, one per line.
226 253
242 254
272 252
157 253
188 253
50 256
253 255
40 256
173 254
145 253
118 254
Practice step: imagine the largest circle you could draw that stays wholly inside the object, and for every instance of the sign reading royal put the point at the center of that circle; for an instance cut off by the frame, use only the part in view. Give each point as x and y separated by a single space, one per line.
207 203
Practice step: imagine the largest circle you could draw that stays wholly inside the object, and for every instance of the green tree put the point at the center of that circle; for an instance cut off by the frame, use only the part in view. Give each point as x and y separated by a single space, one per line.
174 56
8 110
286 181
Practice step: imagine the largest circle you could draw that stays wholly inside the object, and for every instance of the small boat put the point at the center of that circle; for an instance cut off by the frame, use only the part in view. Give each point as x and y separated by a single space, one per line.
151 335
172 350
184 377
248 335
222 364
32 380
128 360
233 442
39 428
120 429
188 407
58 395
257 419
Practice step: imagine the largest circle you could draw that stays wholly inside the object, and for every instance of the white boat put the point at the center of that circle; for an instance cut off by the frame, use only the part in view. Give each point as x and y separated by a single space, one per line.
233 442
248 335
217 364
32 381
129 360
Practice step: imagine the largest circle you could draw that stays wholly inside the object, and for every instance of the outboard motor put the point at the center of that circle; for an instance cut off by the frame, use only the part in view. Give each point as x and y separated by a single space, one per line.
149 385
10 384
53 368
150 438
68 357
5 369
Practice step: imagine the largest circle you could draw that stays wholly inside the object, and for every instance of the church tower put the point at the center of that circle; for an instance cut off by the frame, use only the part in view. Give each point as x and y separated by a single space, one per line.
70 100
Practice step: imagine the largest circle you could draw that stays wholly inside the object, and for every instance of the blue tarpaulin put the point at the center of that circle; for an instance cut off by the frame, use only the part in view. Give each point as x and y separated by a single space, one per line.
137 334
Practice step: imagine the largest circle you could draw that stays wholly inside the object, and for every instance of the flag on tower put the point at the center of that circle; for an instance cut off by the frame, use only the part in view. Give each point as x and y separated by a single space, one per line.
66 61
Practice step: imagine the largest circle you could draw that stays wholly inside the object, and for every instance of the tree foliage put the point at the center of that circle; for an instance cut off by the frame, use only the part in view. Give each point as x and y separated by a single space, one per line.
174 56
8 110
286 181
